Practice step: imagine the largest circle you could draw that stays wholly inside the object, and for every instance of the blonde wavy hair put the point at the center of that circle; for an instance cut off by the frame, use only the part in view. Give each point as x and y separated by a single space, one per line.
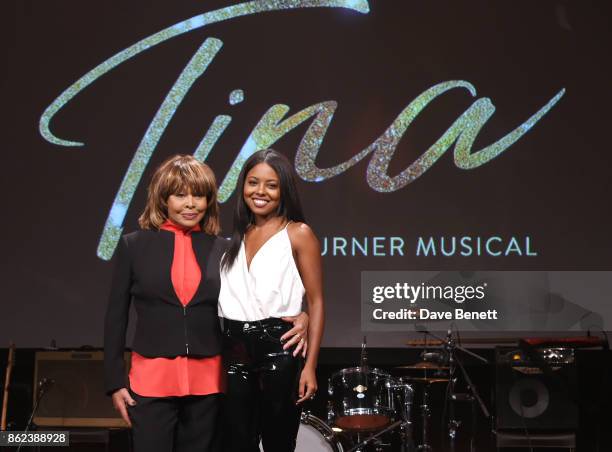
176 174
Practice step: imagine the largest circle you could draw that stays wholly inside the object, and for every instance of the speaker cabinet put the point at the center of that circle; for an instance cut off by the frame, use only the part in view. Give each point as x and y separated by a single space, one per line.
75 396
529 398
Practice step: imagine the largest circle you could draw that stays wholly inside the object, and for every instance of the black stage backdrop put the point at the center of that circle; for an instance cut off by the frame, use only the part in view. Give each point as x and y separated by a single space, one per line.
493 116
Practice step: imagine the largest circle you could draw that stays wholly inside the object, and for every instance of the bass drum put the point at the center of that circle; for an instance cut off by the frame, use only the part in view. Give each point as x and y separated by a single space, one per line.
315 435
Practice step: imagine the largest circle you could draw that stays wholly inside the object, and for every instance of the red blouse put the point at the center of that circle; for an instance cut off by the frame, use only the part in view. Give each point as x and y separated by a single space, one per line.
183 375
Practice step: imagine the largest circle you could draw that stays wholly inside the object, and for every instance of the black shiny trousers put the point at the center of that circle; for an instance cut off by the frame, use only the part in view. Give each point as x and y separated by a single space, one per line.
262 386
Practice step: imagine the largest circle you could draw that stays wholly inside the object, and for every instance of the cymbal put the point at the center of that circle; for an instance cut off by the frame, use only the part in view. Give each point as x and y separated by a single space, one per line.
464 340
423 365
426 380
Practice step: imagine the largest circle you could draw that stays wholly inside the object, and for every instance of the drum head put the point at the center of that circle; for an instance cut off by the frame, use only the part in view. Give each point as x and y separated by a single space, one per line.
310 439
314 435
360 370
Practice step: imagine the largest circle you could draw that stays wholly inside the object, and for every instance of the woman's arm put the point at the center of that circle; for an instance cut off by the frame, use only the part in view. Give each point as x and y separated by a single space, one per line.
308 259
115 325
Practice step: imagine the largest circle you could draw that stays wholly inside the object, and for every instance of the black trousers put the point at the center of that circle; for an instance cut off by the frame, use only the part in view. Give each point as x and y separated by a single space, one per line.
262 385
176 424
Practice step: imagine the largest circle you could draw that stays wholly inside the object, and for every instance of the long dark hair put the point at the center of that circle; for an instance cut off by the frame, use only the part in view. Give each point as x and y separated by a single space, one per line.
289 206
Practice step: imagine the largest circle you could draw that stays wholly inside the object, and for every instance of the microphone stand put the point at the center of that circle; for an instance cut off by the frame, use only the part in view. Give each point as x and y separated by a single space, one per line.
43 385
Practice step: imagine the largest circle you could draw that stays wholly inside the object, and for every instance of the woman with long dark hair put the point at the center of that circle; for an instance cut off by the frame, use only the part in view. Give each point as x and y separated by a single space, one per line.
273 260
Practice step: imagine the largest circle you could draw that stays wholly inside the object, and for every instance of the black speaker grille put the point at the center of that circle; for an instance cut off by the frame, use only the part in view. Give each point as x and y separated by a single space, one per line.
528 397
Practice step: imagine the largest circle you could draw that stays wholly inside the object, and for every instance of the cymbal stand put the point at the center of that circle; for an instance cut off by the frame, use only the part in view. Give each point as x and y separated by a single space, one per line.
405 395
425 409
473 392
451 347
453 424
426 415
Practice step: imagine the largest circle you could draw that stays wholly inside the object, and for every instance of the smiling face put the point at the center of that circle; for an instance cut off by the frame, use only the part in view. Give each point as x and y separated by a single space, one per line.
185 209
261 192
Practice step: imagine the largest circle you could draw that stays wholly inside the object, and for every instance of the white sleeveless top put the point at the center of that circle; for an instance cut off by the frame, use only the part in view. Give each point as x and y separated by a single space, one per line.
271 287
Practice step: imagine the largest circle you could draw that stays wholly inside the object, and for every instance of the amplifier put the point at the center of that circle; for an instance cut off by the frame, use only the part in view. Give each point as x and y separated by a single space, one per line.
527 397
75 396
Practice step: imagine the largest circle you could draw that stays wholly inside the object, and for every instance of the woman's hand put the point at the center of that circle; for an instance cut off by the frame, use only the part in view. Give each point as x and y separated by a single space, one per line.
121 399
298 335
308 384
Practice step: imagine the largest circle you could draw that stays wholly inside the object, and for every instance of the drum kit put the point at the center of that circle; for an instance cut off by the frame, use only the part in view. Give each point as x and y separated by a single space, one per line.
371 410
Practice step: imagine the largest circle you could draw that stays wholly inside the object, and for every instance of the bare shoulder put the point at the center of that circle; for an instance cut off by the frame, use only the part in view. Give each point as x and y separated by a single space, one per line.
301 235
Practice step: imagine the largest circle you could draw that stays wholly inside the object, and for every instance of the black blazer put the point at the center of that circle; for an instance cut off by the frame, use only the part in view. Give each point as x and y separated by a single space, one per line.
164 327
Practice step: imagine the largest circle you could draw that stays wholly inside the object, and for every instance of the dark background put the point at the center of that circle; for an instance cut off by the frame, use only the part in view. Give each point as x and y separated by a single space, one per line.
553 184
